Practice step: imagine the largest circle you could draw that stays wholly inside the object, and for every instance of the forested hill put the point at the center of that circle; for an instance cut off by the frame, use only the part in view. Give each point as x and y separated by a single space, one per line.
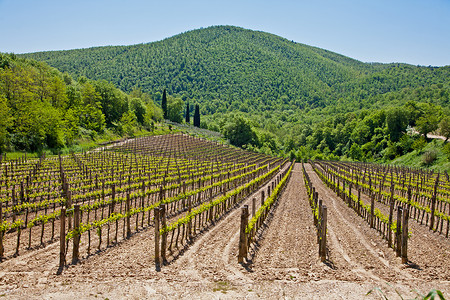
226 63
230 68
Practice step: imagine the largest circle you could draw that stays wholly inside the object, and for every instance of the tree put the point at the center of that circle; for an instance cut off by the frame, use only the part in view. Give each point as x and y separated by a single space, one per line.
361 133
114 101
154 113
239 132
90 95
73 96
427 124
4 121
138 107
127 124
414 112
188 118
197 116
419 144
268 139
57 92
396 121
290 145
444 127
175 110
429 120
164 104
355 152
37 125
92 118
71 123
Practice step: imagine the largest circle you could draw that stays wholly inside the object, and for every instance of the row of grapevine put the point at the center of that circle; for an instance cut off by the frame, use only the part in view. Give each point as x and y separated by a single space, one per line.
384 224
319 214
424 193
250 228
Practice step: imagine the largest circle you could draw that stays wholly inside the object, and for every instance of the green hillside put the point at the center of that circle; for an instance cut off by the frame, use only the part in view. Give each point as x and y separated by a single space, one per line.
226 63
230 68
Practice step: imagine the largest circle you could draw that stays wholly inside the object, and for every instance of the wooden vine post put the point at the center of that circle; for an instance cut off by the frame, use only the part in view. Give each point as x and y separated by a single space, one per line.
253 208
62 239
127 204
243 236
338 189
372 210
157 259
433 203
189 224
323 234
19 229
111 209
14 202
350 203
405 236
76 237
2 250
398 232
409 196
319 219
391 213
69 206
358 204
314 205
162 215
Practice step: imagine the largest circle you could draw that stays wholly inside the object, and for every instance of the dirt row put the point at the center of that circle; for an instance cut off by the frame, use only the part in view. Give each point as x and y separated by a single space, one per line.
283 263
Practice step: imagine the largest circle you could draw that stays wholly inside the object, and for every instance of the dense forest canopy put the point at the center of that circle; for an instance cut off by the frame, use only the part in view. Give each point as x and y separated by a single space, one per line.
277 94
228 67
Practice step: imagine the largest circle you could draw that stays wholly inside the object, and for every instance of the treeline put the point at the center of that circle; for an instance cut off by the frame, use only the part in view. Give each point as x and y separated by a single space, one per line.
379 135
42 108
375 135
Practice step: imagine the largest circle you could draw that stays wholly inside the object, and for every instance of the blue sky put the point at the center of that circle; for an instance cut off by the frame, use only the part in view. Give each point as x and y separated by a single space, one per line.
410 31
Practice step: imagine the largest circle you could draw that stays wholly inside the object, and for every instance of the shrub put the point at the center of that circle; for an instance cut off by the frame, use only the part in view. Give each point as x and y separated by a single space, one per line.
419 144
429 157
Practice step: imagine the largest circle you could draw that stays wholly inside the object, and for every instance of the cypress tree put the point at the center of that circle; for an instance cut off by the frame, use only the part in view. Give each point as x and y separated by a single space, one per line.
164 104
188 117
197 116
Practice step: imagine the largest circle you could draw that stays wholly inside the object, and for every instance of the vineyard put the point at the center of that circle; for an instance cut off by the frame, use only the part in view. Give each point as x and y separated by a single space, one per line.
177 216
95 199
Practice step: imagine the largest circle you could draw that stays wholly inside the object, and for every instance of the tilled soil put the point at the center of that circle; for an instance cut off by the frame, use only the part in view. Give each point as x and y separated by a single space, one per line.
283 263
